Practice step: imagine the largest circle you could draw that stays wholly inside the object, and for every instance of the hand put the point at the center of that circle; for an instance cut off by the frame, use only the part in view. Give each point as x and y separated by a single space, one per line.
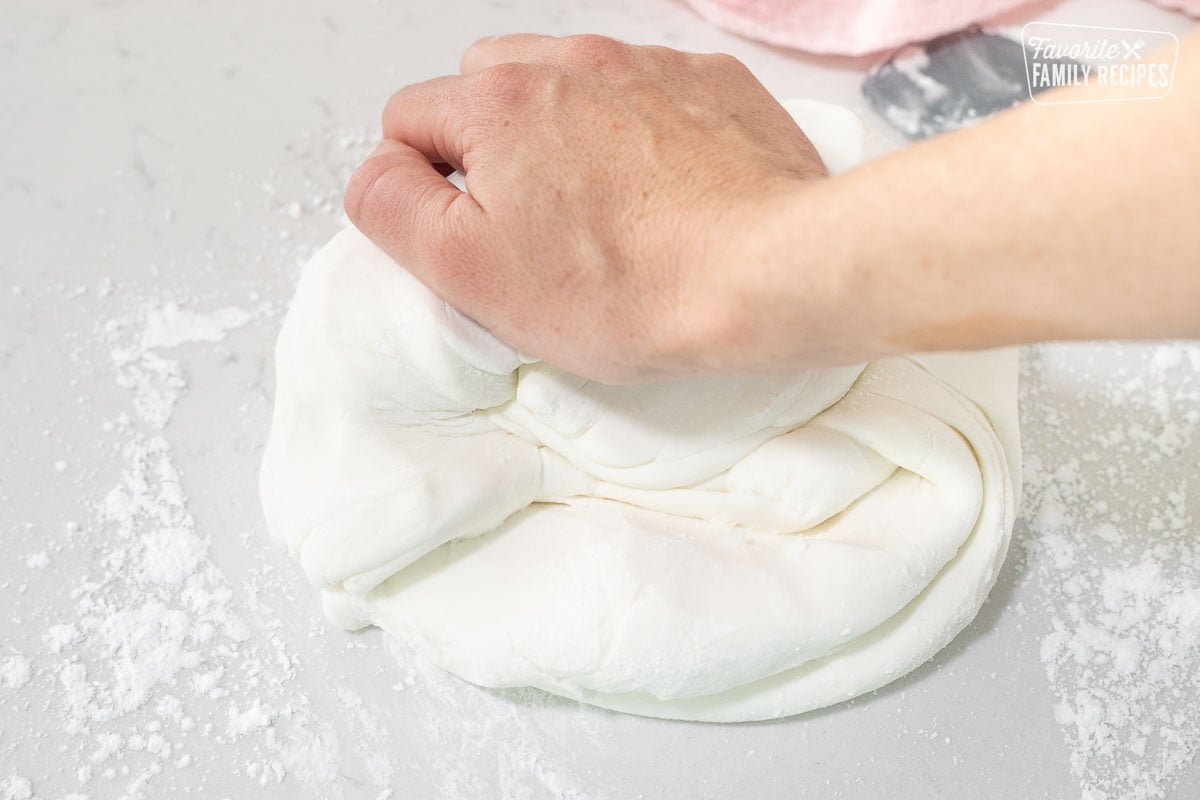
612 197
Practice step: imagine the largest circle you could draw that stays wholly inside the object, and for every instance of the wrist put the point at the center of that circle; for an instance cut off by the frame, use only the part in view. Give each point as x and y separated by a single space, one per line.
783 287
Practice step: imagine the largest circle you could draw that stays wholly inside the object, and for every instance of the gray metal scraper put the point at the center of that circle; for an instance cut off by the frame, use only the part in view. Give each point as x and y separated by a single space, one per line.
948 83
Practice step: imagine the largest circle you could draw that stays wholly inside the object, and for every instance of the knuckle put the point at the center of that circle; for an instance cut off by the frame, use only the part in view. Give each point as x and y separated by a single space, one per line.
593 47
724 62
401 102
382 197
506 83
482 43
393 107
476 50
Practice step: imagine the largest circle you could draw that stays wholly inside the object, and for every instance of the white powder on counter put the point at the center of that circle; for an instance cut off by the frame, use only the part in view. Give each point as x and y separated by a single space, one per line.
16 787
169 325
152 642
158 640
39 560
142 671
144 704
1121 576
14 672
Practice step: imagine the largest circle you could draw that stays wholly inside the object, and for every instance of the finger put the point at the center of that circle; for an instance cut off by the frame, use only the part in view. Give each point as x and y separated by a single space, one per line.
430 117
493 50
400 202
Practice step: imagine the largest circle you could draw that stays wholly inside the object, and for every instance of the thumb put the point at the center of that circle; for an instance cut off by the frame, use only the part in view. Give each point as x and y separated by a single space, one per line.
405 206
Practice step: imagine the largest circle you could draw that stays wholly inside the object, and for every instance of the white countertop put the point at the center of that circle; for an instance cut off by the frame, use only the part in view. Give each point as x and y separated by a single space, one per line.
165 169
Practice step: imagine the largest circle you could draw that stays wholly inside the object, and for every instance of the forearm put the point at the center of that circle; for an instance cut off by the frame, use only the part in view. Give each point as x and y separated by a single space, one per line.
1050 222
634 213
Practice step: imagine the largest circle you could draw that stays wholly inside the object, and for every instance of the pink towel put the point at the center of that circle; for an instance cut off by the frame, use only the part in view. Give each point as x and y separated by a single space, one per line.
1189 7
854 27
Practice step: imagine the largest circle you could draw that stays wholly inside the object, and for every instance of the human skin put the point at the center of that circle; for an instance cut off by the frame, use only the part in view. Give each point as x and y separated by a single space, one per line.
635 213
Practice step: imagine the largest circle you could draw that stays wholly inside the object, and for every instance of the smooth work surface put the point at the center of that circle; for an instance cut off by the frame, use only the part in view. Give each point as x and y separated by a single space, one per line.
165 168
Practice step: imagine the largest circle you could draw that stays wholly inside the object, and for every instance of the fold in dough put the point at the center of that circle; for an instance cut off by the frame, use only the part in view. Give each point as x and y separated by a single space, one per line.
711 549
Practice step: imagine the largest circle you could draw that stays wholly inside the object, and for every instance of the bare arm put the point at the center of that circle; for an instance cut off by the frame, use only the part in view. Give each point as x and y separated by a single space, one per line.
637 212
1073 221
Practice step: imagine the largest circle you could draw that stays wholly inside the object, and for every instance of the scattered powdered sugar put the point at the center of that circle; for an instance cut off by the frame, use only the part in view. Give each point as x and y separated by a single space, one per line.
151 643
160 675
16 787
156 675
38 560
157 381
170 325
59 637
494 743
1121 575
14 672
148 681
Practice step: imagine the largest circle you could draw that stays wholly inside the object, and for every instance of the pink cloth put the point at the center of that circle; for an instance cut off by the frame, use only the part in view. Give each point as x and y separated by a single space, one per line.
1189 7
855 27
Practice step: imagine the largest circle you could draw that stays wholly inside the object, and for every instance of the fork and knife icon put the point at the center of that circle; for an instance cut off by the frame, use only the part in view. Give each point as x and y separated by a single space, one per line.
1133 50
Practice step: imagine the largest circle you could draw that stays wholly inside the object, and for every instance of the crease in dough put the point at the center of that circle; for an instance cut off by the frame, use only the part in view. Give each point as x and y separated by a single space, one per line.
716 549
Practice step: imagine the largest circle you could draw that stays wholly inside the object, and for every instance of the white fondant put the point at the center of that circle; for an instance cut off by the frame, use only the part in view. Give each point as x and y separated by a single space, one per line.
713 549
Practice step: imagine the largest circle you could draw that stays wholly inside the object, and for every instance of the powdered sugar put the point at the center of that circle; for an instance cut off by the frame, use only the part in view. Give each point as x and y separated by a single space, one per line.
14 672
149 671
151 632
16 787
159 672
38 560
1121 575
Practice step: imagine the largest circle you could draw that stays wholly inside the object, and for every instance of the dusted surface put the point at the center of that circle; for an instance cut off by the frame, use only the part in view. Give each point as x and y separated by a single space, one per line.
153 641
